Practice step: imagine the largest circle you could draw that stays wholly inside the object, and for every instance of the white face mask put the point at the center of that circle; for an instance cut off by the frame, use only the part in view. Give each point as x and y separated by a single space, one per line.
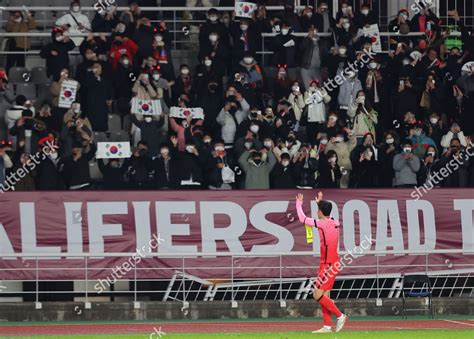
244 27
60 38
434 120
342 51
213 38
185 71
213 18
254 128
324 141
121 28
165 152
53 156
390 141
365 11
373 65
18 20
339 139
248 145
208 63
406 62
332 118
76 9
125 62
295 88
285 31
189 149
333 160
431 154
407 149
248 61
360 100
156 77
285 163
267 144
159 38
346 25
148 119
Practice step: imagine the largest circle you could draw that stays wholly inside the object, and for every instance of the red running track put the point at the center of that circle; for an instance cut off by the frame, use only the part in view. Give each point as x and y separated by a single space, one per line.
209 327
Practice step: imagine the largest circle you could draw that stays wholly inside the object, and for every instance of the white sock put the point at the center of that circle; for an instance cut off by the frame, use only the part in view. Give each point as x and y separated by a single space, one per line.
342 315
328 327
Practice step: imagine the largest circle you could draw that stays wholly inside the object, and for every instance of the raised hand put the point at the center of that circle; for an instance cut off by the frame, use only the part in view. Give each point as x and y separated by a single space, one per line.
299 197
319 197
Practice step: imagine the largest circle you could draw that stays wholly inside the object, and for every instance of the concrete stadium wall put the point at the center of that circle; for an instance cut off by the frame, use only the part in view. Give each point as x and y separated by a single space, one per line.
153 311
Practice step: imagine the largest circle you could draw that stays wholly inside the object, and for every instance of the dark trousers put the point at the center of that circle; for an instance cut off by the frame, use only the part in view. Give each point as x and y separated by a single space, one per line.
17 60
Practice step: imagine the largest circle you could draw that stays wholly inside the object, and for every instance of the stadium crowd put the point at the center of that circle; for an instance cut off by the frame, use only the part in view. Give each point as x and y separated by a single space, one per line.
393 119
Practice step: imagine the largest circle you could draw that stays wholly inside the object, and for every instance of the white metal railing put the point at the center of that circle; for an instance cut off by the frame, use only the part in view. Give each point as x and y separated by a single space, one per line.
280 287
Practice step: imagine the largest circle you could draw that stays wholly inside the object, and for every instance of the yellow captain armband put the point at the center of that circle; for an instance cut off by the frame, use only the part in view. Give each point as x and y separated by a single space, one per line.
309 234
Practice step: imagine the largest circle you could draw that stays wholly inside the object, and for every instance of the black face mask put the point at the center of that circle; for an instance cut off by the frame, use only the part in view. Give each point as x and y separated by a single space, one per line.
257 161
142 152
118 43
233 110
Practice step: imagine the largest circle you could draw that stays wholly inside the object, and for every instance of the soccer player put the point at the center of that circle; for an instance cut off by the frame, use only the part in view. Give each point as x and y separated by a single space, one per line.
328 229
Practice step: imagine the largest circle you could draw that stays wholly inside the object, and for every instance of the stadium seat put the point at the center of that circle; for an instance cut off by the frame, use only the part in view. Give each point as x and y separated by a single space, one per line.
27 89
100 137
119 136
38 76
115 123
94 170
127 123
417 286
15 74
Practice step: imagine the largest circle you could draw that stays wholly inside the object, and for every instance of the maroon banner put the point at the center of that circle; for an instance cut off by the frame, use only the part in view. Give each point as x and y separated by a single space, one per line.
259 223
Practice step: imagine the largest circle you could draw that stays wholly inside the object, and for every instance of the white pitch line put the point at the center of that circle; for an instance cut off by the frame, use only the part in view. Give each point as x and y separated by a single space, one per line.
458 322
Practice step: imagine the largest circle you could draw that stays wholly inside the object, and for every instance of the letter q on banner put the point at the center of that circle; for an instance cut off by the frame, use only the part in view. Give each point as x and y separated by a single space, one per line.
113 150
183 113
244 9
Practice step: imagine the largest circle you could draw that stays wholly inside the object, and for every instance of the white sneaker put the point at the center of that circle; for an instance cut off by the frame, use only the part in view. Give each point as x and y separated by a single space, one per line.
323 330
340 322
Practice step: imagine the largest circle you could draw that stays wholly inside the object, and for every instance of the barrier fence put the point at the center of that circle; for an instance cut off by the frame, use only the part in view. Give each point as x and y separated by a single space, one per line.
449 277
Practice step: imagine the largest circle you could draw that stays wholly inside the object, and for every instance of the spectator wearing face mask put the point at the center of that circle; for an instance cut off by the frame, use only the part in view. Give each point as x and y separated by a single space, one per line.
343 150
406 166
55 90
144 36
322 19
191 165
345 31
457 161
364 17
220 168
75 128
99 98
364 117
139 167
215 54
75 168
166 167
19 22
453 133
420 141
283 175
257 166
419 23
348 92
430 165
282 85
400 24
105 19
162 46
56 53
330 171
252 70
285 47
123 83
296 100
121 45
244 38
75 22
213 26
149 128
316 100
48 176
306 166
314 52
434 128
235 111
248 142
290 16
365 171
183 84
387 151
113 173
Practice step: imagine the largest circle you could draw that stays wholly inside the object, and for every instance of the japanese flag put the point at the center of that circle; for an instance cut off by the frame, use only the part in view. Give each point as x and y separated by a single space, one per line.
183 113
68 92
146 107
244 9
113 150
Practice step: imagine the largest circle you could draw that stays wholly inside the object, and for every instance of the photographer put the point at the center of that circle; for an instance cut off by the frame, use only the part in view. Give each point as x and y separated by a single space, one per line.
75 168
406 166
76 128
28 131
456 160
